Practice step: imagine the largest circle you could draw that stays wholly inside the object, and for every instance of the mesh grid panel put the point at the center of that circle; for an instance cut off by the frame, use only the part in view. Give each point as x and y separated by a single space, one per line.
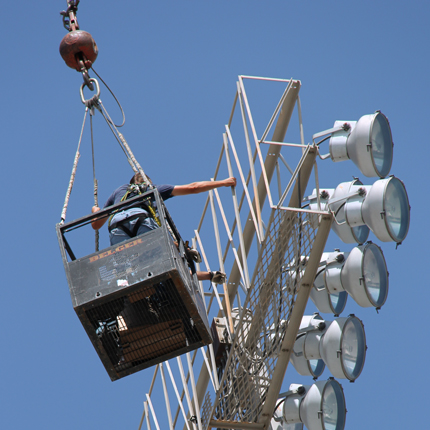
206 410
143 325
262 323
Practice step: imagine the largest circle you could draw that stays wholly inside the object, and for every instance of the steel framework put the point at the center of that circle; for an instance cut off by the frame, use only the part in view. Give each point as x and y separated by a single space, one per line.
258 313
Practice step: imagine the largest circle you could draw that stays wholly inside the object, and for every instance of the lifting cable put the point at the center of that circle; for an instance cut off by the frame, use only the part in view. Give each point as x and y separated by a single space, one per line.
96 197
90 104
72 176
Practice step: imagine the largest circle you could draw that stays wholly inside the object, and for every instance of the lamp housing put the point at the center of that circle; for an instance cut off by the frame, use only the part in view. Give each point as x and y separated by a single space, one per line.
340 344
362 273
320 406
307 366
383 207
334 200
367 142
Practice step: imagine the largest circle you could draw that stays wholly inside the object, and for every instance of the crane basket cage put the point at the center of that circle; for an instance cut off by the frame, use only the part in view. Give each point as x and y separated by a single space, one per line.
139 301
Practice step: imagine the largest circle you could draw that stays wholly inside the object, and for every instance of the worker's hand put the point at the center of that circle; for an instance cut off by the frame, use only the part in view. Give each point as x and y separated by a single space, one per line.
97 223
230 182
218 277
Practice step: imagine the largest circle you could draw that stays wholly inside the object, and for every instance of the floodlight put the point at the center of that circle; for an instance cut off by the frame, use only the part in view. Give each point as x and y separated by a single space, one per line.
340 344
362 273
337 197
367 142
383 207
386 210
320 406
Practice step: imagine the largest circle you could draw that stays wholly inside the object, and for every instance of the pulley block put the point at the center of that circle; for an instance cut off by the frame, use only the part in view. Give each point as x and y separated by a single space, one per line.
76 47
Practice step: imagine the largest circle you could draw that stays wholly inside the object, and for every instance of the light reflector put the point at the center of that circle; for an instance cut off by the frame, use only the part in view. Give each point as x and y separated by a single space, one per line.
386 210
343 348
364 275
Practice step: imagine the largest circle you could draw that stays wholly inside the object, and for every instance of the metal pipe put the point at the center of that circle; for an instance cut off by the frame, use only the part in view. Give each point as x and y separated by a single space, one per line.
166 397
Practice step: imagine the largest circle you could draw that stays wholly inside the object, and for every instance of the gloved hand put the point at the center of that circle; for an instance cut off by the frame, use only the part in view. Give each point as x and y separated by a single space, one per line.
218 277
195 255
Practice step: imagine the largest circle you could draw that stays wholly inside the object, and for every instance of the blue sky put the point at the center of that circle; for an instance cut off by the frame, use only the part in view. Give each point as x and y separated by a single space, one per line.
173 65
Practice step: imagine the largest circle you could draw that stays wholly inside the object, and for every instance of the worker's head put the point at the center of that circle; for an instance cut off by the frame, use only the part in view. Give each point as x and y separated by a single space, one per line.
137 179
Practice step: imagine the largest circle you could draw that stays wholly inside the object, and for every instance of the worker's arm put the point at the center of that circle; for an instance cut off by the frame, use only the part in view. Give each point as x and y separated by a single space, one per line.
97 223
200 187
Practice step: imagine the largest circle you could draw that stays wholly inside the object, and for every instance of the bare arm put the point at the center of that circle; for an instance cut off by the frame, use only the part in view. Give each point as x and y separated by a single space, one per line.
97 223
200 187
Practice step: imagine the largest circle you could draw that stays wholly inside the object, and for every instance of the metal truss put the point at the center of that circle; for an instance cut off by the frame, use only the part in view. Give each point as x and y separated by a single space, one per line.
271 251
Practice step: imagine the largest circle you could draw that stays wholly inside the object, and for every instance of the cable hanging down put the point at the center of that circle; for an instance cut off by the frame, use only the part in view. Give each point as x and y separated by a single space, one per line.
72 176
92 103
96 197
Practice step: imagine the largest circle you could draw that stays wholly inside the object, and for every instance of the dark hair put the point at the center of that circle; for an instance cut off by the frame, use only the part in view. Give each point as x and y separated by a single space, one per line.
138 177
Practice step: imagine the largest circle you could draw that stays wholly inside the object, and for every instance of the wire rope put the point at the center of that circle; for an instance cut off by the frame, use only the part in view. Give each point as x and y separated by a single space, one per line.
90 104
113 95
96 197
72 176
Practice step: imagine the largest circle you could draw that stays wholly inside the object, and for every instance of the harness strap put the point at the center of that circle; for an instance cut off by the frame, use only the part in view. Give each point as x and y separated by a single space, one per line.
124 197
131 233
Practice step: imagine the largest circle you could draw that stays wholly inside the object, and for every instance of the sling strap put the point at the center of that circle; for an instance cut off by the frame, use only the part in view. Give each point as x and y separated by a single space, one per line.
132 191
133 232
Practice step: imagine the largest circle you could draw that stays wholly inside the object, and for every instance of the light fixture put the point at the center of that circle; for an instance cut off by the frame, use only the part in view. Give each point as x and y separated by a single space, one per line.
386 210
320 406
367 142
340 345
336 197
362 273
383 207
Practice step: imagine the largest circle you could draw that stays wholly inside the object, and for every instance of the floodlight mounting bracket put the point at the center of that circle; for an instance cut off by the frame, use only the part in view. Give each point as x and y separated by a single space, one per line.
319 327
345 197
343 127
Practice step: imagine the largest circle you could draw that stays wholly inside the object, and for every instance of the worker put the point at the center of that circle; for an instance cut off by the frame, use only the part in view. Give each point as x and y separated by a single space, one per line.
136 221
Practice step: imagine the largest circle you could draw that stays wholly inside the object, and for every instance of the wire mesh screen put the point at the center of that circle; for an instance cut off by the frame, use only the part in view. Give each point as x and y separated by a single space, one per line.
260 326
140 326
206 410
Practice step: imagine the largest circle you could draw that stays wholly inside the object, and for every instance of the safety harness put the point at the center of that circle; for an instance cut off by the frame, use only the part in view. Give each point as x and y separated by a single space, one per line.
132 191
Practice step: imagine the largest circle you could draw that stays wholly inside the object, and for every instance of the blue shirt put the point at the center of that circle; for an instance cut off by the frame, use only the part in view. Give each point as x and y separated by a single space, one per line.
164 190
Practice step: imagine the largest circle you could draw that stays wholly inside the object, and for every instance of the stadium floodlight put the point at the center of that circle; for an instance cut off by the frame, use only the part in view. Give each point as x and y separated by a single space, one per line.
383 207
320 406
334 199
362 273
367 142
340 345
